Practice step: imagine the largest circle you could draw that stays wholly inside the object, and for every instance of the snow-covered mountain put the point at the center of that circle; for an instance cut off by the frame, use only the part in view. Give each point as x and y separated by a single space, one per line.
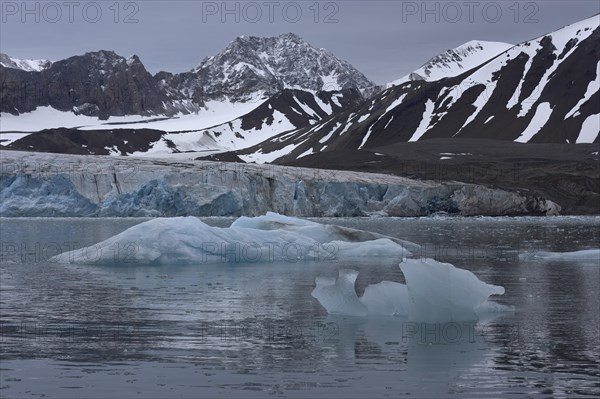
250 64
455 61
23 64
542 90
104 84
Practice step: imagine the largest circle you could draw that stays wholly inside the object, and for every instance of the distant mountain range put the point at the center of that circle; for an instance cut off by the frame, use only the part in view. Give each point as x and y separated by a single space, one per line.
309 102
104 84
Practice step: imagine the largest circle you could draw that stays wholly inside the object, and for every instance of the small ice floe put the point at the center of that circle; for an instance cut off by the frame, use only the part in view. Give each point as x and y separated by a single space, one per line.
586 255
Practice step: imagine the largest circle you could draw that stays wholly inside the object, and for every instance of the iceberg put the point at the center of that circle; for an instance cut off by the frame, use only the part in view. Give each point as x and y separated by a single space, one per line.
434 293
586 255
268 238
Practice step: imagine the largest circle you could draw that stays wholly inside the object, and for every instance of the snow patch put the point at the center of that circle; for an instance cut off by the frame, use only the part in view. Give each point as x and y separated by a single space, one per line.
590 129
542 114
424 125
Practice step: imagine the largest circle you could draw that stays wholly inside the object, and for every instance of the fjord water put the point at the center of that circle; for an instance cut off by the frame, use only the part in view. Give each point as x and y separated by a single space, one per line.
244 329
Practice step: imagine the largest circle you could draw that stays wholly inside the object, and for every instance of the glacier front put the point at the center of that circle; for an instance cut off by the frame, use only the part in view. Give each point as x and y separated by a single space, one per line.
58 185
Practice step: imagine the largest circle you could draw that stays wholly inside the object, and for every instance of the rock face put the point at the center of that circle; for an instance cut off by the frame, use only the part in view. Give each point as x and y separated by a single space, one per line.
98 84
105 84
33 184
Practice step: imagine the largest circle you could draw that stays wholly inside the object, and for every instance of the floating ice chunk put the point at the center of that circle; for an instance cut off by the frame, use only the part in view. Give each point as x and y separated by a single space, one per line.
187 240
440 292
373 248
434 293
586 255
387 298
338 295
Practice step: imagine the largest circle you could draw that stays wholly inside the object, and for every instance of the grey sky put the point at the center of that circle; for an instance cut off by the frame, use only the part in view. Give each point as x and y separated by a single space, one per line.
383 39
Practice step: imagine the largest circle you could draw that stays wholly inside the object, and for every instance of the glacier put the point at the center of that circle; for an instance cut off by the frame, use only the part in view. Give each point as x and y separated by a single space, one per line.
268 238
434 292
59 185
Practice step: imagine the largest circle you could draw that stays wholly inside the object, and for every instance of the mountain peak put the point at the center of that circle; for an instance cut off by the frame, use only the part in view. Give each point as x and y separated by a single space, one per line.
455 61
23 64
291 36
251 64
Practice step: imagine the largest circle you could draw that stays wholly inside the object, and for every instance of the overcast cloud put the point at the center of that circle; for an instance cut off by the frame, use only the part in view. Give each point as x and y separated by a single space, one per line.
383 39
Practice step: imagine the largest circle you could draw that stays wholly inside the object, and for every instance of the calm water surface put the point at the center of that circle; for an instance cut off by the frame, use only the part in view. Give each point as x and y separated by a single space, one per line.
254 330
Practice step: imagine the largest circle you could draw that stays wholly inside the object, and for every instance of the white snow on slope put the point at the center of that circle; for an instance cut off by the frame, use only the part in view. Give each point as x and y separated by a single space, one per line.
593 88
542 114
580 30
424 125
590 129
230 136
214 114
260 158
456 61
479 104
325 139
23 64
7 138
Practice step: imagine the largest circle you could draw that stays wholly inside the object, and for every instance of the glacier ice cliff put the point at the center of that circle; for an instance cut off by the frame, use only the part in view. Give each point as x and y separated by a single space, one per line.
37 184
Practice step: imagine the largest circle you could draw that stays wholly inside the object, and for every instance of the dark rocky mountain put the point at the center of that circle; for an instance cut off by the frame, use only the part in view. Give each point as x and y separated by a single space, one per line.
543 90
89 142
98 84
105 84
